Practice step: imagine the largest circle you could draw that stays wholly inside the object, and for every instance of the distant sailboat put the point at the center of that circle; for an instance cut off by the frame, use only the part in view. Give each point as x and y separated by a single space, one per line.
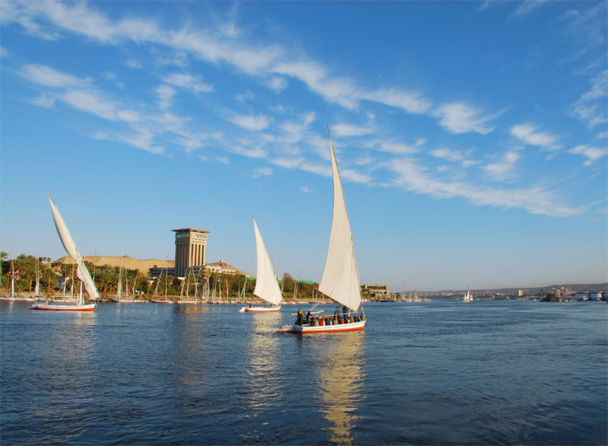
340 280
266 285
468 297
81 271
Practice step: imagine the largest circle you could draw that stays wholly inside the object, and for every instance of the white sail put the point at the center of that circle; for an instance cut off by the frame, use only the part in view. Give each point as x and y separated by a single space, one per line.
340 279
70 248
266 285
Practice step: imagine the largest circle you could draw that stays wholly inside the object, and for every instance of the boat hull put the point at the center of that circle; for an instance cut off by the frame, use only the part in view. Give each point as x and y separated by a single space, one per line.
260 309
298 329
62 307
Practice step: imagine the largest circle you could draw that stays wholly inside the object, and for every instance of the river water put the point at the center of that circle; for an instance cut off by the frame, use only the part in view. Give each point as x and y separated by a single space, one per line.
429 373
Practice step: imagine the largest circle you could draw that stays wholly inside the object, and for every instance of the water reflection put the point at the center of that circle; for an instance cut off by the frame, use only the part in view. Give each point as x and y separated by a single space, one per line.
187 354
262 357
65 373
341 382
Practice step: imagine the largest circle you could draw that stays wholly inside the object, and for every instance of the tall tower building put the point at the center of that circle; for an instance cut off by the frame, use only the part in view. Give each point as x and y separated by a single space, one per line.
190 247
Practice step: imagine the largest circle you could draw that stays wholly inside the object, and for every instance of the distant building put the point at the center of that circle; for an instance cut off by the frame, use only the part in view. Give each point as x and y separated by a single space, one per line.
156 272
220 267
375 291
190 247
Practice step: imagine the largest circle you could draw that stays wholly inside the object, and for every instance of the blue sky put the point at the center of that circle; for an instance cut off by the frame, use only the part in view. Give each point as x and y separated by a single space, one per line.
471 136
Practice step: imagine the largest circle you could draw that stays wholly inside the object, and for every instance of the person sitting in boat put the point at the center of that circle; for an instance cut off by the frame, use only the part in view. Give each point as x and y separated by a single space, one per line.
300 319
307 320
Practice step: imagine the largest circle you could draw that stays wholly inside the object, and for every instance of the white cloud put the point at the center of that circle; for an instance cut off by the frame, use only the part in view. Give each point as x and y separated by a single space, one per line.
503 168
354 176
447 154
254 152
49 77
306 190
91 102
165 95
133 64
411 102
246 96
397 148
527 134
591 153
222 159
528 6
346 130
413 177
287 163
3 52
277 83
44 101
591 106
188 82
459 117
250 122
262 171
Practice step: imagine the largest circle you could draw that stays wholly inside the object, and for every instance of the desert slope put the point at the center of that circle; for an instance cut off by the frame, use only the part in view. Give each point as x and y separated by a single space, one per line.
142 265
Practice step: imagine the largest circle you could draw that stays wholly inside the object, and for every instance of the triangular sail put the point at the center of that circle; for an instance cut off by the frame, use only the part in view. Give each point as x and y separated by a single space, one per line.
266 285
340 279
70 248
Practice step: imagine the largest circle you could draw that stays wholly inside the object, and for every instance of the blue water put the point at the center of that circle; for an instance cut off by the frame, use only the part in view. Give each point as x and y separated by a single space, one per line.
441 372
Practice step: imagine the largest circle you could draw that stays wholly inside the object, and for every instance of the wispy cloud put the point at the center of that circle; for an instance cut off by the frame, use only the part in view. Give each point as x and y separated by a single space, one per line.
412 102
250 122
528 6
459 117
413 177
165 95
503 168
49 77
188 82
262 171
346 130
591 106
528 134
354 176
447 154
591 153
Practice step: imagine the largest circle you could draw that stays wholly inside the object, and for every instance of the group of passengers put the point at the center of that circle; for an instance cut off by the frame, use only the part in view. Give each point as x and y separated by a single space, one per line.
336 319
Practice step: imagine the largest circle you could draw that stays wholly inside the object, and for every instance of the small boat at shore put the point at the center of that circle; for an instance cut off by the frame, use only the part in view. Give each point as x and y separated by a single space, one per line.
340 280
81 271
266 284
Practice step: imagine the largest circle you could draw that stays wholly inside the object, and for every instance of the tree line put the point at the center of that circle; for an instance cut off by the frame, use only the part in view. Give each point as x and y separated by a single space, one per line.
54 277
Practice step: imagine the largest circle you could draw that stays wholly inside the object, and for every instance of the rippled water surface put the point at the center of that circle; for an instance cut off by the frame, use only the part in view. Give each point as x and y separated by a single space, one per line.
493 372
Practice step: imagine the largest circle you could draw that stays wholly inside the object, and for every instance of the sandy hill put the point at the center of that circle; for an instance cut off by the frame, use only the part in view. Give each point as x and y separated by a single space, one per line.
125 261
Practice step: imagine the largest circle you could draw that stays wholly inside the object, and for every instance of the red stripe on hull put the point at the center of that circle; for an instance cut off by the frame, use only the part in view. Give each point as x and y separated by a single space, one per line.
324 330
59 309
247 310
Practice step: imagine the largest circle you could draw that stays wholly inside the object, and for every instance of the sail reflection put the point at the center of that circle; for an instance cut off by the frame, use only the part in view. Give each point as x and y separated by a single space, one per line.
341 382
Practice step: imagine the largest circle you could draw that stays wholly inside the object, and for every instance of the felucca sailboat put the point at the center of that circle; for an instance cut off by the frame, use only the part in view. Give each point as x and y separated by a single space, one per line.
266 284
340 280
81 271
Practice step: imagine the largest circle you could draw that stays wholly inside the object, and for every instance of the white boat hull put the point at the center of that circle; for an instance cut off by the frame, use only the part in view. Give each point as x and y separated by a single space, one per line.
254 309
62 307
305 329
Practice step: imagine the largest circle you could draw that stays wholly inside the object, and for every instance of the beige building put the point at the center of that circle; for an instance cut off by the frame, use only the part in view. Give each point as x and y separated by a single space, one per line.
377 291
190 247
